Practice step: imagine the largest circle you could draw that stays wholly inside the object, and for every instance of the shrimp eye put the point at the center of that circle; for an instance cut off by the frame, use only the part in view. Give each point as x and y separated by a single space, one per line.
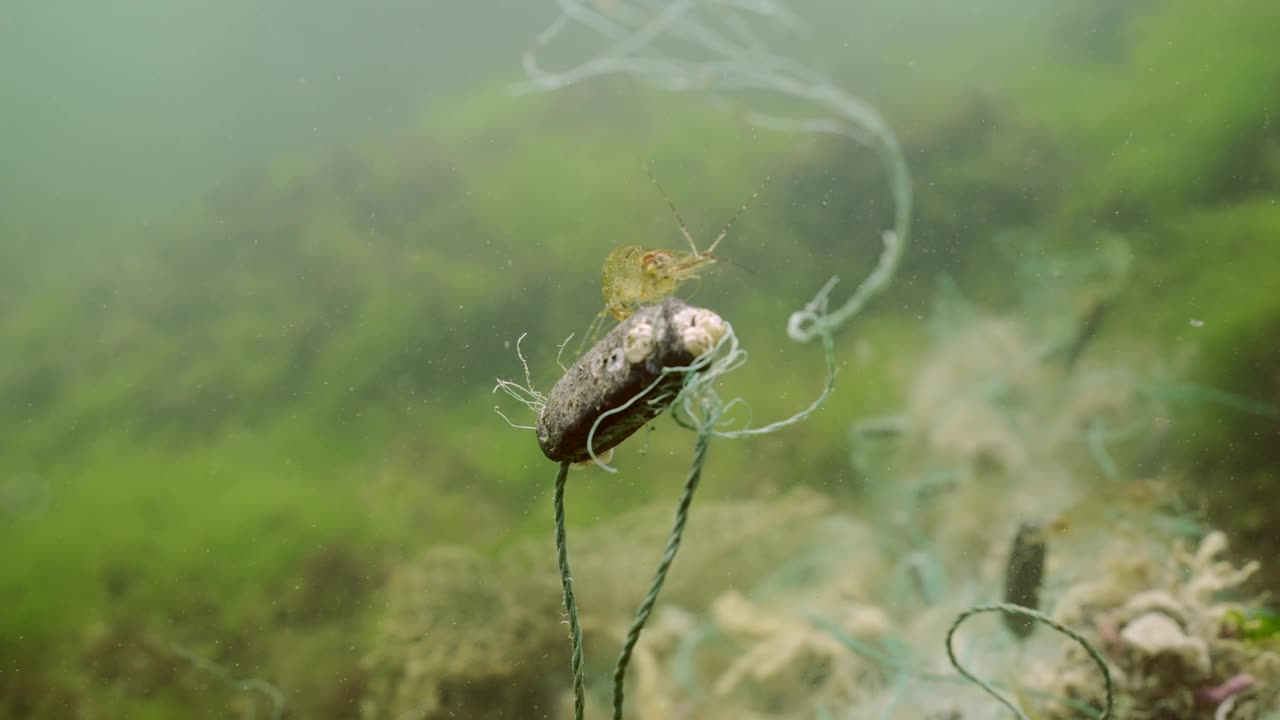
656 261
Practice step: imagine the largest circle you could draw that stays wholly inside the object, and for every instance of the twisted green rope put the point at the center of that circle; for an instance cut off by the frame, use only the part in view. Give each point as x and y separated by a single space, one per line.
660 576
1039 617
570 601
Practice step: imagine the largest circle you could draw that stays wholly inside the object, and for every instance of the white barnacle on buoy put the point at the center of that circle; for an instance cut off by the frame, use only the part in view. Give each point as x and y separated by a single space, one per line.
699 329
712 323
696 340
616 360
684 317
639 343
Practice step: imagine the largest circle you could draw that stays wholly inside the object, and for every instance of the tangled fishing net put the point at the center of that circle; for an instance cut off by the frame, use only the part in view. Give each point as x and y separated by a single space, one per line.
1005 427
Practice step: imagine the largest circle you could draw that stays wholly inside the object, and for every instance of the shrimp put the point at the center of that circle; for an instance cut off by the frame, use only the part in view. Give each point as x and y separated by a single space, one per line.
634 276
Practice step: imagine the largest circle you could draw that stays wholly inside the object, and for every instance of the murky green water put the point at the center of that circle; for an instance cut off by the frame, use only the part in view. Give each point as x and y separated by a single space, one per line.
261 268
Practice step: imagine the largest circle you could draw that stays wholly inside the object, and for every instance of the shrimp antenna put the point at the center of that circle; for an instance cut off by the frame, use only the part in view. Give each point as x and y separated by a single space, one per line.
684 230
732 220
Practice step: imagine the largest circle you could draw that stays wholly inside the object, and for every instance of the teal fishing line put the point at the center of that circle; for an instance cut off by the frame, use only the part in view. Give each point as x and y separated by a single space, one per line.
570 600
660 575
1009 608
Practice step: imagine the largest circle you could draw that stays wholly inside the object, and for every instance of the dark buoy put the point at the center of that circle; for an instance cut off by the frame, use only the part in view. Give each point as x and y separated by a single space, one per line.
631 358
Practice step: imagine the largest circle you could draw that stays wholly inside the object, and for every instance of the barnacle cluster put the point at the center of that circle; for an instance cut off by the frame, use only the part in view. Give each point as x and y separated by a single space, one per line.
699 329
771 643
1162 621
